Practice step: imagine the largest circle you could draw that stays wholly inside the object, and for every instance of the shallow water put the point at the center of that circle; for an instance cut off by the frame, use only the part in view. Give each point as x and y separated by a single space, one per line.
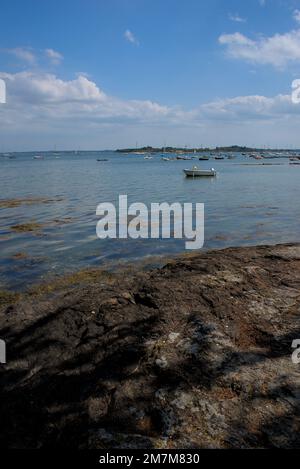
244 205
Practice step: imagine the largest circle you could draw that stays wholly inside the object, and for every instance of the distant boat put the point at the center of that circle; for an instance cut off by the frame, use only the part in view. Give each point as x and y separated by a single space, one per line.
102 159
256 156
203 158
196 172
185 158
148 157
38 157
219 157
165 158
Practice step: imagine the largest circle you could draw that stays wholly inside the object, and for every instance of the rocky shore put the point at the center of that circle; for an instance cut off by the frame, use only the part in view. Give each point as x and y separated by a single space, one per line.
196 354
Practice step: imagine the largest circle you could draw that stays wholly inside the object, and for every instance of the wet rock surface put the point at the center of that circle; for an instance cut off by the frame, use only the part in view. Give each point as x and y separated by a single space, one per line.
196 354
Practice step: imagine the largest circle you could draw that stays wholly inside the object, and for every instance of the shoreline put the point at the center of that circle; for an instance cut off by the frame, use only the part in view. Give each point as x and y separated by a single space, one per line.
193 354
107 268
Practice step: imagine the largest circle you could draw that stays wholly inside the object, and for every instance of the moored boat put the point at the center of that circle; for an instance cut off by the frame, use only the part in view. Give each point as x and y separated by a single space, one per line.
197 172
203 158
182 157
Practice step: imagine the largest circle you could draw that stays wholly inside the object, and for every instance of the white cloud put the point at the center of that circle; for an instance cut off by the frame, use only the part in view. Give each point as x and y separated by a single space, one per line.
54 56
237 18
42 107
277 50
48 93
30 57
250 108
296 15
22 53
44 88
130 37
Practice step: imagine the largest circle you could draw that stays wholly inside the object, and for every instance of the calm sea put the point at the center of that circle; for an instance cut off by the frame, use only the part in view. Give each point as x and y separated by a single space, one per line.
244 205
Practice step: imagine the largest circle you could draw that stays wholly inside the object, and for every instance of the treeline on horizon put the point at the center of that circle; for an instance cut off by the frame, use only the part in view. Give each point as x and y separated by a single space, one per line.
233 148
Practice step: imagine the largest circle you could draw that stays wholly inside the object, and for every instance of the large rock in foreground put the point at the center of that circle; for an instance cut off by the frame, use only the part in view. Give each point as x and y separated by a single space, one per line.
196 354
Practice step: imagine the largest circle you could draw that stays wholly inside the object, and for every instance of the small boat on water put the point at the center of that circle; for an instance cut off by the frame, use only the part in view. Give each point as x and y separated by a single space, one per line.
185 158
148 157
203 158
196 172
219 157
38 157
102 159
165 158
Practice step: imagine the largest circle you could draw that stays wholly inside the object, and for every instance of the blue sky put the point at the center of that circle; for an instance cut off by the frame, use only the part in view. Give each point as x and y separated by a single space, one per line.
103 74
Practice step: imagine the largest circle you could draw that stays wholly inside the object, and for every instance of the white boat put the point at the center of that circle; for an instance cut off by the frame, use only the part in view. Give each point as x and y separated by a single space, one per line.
148 157
38 157
185 158
196 172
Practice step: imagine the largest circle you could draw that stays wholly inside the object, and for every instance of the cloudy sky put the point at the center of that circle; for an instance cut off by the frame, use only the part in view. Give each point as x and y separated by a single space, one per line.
97 74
